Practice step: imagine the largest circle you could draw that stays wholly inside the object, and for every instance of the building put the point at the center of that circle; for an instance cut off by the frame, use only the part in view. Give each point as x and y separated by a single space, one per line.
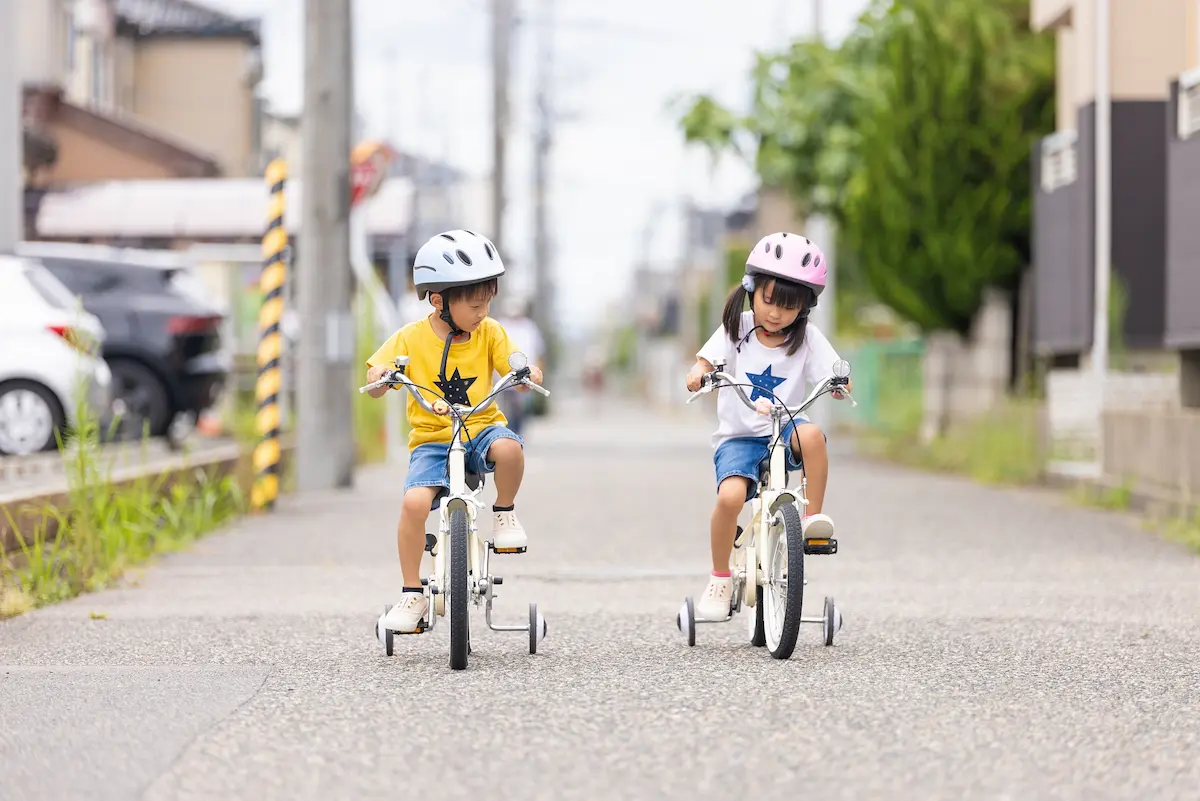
138 89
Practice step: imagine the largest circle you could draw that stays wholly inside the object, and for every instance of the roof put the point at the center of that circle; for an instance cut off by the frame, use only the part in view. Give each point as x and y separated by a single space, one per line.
204 208
182 18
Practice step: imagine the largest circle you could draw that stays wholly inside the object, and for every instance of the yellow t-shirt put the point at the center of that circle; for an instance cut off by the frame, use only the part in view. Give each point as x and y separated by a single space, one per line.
469 372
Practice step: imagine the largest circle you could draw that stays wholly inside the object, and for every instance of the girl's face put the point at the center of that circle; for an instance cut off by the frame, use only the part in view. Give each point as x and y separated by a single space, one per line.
773 311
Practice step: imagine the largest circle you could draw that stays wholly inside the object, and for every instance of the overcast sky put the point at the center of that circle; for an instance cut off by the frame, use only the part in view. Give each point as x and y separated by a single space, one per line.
423 81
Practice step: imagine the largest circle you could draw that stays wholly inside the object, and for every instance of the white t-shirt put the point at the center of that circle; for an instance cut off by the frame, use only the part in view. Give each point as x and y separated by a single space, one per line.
790 378
525 335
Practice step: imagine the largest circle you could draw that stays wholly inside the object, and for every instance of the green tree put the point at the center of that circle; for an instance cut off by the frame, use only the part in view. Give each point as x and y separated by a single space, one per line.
938 208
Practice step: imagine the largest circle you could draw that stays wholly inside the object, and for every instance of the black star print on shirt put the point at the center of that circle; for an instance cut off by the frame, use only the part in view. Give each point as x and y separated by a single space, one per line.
455 389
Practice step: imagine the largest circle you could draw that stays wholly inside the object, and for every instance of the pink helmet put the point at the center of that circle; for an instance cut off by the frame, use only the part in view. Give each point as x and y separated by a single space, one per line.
788 256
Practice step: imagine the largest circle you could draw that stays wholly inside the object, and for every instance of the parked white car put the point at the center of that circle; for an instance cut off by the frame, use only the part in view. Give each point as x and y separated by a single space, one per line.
49 359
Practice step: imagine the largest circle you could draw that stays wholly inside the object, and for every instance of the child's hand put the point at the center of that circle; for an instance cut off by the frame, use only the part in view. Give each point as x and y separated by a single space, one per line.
440 407
375 373
694 377
840 392
763 407
535 375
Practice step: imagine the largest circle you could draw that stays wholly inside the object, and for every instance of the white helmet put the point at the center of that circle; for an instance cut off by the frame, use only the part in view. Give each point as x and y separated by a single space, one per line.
454 258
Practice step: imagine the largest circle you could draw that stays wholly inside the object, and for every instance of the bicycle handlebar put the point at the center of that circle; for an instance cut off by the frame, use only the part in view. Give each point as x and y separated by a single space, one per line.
717 379
393 378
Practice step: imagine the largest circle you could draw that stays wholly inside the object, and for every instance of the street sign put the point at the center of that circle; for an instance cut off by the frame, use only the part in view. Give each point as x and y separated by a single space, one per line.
368 167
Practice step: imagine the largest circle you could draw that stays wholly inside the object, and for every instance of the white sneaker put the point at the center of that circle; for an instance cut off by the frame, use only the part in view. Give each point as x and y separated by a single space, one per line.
818 527
507 533
717 599
406 615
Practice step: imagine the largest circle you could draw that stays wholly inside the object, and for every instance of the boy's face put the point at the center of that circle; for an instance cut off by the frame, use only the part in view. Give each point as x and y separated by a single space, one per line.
469 312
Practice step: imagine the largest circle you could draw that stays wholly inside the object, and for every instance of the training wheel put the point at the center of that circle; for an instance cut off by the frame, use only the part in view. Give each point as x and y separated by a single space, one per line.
385 636
686 620
537 628
832 623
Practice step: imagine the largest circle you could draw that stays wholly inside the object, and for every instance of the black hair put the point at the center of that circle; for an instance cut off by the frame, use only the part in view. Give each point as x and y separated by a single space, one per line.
483 290
780 292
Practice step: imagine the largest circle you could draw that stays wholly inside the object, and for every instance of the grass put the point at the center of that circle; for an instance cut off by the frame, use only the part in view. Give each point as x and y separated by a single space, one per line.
99 531
999 447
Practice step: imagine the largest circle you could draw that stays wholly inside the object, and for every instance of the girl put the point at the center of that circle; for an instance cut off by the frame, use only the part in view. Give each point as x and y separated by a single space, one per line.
772 347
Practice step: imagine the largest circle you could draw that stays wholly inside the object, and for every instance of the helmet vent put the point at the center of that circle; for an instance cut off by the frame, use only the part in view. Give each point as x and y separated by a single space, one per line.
463 257
491 254
447 236
779 251
449 259
808 257
817 263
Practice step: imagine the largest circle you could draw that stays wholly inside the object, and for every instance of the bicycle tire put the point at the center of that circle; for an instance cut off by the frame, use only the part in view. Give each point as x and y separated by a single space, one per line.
794 597
460 624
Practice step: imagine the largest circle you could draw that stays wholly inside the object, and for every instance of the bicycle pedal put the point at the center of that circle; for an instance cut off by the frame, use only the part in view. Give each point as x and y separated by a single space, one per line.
820 546
505 550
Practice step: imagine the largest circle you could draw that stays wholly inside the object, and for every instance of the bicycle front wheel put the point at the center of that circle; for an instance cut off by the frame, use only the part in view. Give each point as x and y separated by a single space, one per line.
782 595
460 624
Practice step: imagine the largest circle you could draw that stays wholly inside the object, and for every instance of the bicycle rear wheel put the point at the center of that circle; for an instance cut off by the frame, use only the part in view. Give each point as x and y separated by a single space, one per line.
782 597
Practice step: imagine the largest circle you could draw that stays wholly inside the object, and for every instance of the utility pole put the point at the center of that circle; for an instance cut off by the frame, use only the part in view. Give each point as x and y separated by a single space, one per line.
1103 217
502 28
12 201
818 20
543 311
325 444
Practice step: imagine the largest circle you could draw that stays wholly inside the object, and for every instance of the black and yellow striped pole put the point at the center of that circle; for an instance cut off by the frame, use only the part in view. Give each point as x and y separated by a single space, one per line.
270 344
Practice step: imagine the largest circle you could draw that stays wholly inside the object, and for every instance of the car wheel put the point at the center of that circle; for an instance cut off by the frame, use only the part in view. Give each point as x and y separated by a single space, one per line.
144 397
29 416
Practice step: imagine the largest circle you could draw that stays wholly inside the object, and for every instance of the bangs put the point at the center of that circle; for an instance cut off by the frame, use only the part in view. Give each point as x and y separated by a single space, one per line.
472 293
779 292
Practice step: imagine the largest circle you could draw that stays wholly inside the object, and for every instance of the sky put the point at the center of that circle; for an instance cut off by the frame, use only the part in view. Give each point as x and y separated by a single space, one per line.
619 165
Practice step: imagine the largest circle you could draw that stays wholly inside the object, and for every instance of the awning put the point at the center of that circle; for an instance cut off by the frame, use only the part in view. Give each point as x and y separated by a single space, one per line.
201 209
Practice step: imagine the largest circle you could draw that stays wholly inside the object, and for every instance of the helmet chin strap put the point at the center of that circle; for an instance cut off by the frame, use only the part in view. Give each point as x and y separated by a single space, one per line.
455 331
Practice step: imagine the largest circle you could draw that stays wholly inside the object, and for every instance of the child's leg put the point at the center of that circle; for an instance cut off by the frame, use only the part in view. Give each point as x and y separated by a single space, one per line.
498 450
731 497
426 478
410 535
809 448
735 461
509 459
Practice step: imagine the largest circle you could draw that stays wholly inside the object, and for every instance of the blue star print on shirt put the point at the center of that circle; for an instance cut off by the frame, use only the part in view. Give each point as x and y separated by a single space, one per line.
764 383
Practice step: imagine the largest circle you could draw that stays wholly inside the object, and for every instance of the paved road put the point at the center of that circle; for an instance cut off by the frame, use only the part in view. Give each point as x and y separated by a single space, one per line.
998 645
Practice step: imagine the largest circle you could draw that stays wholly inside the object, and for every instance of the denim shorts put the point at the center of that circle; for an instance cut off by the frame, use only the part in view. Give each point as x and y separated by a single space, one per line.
429 465
742 456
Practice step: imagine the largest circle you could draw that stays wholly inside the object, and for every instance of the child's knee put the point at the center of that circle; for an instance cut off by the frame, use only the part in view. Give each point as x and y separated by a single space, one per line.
808 438
506 451
417 502
731 494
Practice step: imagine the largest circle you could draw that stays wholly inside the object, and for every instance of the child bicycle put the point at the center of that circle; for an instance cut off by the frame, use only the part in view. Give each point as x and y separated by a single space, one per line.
465 574
768 556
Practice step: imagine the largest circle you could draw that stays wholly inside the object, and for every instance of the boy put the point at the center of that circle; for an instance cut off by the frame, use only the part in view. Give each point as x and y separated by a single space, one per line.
458 271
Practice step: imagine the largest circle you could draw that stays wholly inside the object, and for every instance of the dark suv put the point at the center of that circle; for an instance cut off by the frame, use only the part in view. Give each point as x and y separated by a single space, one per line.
163 340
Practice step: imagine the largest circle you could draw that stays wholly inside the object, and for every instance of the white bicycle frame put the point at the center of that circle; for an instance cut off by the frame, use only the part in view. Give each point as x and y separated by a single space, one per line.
460 496
753 546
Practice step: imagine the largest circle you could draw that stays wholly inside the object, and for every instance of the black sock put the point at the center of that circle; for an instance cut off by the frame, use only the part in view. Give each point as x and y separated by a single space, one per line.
496 508
414 589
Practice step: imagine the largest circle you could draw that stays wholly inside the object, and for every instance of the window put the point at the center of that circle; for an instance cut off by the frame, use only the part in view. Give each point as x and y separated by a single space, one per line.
50 288
1058 160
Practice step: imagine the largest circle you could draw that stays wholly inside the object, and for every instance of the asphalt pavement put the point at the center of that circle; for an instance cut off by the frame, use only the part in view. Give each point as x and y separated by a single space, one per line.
999 644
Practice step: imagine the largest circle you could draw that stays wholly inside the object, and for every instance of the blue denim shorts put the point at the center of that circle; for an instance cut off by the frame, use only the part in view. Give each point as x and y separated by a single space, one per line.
743 456
428 464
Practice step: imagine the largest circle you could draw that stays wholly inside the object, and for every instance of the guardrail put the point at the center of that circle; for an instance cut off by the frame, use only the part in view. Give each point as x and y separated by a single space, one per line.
30 484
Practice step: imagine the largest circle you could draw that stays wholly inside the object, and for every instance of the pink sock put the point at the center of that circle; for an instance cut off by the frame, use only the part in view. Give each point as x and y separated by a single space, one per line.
725 574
